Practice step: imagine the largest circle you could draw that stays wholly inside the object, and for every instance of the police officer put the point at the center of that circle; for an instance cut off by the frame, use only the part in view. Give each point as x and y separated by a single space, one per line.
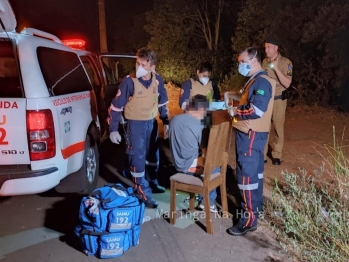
280 69
251 121
200 85
140 97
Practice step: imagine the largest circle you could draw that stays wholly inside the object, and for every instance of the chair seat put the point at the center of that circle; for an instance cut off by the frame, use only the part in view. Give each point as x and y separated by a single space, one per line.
191 180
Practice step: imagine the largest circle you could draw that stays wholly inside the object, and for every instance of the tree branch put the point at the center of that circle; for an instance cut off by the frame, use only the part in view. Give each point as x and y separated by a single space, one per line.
204 30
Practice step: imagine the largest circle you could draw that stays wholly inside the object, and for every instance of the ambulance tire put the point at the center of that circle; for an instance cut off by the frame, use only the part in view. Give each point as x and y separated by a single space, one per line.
90 166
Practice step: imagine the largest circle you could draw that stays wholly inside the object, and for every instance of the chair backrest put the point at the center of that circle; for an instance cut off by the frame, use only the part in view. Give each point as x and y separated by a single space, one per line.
217 145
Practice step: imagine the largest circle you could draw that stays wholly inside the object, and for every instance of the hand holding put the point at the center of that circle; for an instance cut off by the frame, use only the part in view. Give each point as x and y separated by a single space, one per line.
273 64
232 111
115 137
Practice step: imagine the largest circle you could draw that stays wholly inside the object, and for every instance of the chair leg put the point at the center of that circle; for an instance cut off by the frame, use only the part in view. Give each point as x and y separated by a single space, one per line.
191 201
173 212
208 213
224 200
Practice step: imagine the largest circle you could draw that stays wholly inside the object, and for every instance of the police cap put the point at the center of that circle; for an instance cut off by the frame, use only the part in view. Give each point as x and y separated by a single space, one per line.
272 40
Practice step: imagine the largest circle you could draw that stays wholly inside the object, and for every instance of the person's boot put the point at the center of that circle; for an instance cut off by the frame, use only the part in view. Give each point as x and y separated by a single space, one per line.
151 203
239 230
158 189
276 161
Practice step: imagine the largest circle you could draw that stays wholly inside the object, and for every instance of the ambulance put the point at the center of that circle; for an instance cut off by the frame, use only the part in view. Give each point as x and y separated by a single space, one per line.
49 124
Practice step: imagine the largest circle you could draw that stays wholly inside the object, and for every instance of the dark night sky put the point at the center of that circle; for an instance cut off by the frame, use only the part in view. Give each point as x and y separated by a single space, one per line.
76 18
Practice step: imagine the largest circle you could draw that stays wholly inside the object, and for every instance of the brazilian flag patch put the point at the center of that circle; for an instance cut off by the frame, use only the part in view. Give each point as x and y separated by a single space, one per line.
259 92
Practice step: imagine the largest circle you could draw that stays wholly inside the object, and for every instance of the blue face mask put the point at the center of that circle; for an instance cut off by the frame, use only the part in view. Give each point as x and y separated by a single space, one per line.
244 69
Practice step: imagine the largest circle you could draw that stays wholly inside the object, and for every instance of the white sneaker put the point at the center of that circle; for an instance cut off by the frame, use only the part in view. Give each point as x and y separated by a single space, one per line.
186 200
213 208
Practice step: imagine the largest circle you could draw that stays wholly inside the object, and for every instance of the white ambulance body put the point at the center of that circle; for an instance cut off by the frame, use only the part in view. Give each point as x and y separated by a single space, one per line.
49 129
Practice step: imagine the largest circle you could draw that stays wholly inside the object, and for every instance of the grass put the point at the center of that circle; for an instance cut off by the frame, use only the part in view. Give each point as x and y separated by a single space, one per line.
310 214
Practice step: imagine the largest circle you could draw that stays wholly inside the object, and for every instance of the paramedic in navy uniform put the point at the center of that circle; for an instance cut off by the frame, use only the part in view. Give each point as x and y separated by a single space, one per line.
200 85
251 122
140 97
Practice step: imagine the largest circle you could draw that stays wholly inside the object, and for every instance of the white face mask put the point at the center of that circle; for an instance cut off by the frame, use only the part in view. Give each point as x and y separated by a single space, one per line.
204 80
141 72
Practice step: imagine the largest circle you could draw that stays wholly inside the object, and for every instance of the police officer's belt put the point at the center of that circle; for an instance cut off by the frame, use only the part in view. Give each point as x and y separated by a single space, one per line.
277 97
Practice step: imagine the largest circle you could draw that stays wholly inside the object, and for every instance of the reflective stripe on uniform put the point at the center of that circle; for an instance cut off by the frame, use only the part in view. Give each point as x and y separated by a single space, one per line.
248 187
135 174
151 163
260 175
258 112
112 107
160 105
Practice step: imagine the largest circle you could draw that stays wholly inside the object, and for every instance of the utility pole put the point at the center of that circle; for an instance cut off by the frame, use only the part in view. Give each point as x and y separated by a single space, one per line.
102 27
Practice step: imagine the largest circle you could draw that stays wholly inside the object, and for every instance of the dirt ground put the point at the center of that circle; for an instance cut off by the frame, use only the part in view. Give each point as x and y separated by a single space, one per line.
306 131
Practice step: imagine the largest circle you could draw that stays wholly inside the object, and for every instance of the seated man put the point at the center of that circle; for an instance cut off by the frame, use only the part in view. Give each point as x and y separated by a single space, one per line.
187 138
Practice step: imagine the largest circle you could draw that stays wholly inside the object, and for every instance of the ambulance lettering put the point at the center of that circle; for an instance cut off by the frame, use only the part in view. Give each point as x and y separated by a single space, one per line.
7 104
3 131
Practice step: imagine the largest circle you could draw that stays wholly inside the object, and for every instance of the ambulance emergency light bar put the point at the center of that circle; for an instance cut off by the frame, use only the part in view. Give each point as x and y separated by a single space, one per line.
75 43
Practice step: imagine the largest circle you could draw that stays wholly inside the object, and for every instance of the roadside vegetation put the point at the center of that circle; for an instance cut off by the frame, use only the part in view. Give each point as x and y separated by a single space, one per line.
310 214
313 35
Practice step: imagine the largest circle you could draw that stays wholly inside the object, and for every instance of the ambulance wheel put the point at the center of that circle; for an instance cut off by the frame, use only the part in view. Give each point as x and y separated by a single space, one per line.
90 165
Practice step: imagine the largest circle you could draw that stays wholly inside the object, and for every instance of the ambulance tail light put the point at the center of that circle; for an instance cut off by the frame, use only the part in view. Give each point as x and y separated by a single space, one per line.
41 136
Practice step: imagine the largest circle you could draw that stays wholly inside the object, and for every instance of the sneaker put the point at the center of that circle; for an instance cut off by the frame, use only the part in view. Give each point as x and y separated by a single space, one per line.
239 230
213 208
151 203
197 198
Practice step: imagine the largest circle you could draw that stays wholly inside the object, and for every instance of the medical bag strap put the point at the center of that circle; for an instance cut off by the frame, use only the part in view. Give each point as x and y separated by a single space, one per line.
93 233
116 186
97 193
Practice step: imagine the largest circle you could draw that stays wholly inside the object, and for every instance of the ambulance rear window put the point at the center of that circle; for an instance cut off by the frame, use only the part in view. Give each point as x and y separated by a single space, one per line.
9 77
62 71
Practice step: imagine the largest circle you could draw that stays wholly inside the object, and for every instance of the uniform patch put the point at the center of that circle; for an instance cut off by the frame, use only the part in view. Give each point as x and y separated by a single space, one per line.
289 66
289 69
209 95
259 92
182 92
118 93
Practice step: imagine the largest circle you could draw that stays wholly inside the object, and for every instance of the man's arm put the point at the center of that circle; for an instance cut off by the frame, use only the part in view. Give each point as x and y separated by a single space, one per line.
216 94
259 97
162 101
185 93
283 72
119 101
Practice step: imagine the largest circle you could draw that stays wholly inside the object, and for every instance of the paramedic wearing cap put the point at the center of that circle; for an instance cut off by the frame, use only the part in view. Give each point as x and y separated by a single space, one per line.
140 97
199 85
251 122
280 69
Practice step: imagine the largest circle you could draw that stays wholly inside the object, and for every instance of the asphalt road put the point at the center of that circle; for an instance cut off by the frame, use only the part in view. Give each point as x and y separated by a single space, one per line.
40 228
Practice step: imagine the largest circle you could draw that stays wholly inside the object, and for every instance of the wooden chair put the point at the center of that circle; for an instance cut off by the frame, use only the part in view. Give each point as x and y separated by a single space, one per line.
216 156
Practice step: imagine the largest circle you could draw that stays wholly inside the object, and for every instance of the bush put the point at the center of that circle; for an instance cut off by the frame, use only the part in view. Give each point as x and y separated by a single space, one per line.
311 214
